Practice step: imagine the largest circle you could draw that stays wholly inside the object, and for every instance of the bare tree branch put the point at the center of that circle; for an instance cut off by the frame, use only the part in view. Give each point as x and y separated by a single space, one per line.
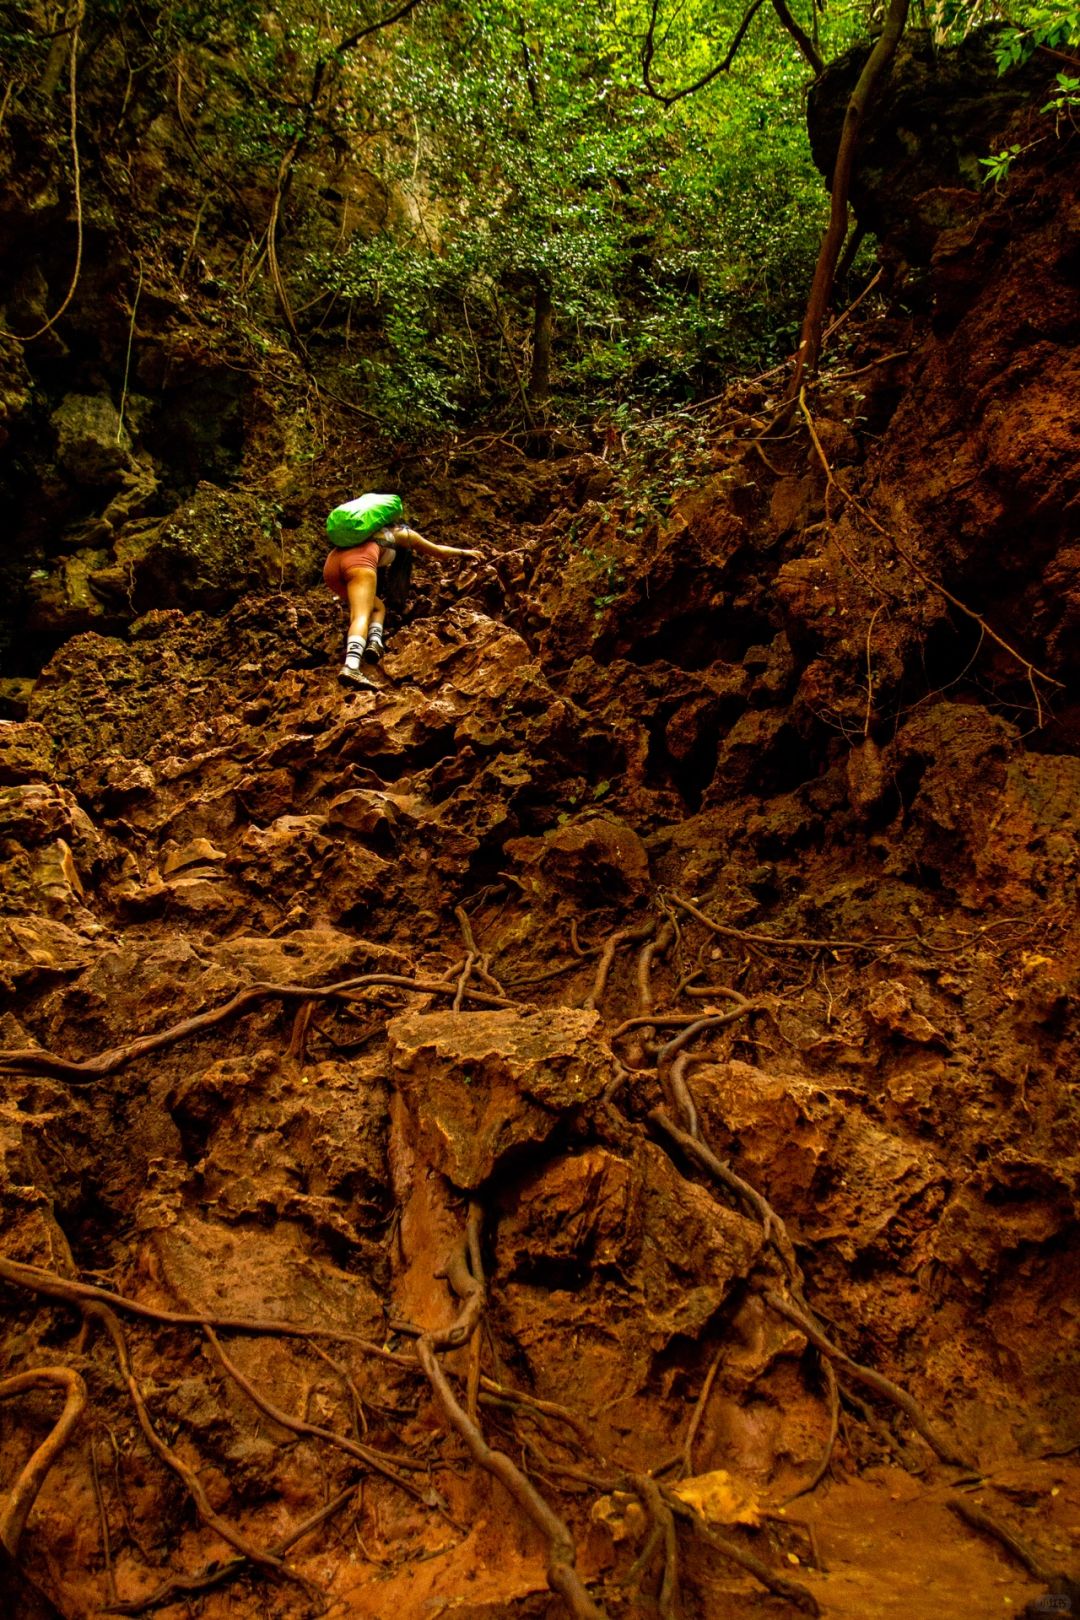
799 35
648 51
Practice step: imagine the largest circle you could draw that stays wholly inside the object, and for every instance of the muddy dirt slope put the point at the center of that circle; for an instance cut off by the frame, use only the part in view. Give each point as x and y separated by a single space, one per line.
589 1127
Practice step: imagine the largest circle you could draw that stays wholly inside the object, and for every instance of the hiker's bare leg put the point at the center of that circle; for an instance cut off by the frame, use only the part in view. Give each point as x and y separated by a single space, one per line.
360 585
375 647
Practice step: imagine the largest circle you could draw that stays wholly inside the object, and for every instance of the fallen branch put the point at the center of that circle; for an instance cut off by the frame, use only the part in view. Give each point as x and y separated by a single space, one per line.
23 1494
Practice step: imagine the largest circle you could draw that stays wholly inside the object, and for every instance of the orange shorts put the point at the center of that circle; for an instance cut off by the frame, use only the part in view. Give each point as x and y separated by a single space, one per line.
345 560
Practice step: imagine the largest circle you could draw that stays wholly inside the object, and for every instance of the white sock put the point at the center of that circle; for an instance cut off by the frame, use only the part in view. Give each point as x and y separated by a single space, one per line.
354 652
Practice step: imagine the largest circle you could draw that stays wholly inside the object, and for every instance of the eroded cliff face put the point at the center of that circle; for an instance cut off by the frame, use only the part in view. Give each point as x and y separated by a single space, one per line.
645 1026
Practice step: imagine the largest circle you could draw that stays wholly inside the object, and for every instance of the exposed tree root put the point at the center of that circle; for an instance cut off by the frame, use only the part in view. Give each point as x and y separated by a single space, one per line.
564 1440
78 1295
873 1380
388 1467
562 1576
773 1228
37 1060
179 1588
621 936
832 1389
798 943
15 1508
1015 1545
699 1412
1031 671
667 1603
270 1563
777 1584
659 946
680 1020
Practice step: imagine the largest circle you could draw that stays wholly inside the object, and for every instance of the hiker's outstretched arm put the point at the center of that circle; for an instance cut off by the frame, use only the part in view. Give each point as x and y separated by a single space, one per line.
431 549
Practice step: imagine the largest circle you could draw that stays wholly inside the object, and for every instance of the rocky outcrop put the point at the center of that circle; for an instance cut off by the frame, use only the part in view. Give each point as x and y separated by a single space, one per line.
666 935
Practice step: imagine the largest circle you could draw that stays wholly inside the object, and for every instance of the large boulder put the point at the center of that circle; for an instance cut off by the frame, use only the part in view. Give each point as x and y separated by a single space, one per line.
479 1085
935 116
92 445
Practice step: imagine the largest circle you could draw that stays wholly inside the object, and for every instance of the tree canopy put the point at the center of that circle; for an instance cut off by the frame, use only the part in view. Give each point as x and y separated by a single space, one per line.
475 202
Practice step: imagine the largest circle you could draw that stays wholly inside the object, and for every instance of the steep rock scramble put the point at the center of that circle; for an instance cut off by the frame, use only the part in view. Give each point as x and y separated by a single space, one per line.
491 1145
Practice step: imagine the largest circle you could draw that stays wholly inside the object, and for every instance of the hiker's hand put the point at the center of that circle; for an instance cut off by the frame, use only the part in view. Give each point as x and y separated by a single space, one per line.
476 555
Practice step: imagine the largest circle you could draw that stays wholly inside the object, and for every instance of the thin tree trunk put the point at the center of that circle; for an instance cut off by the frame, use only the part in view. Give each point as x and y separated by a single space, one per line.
543 329
877 65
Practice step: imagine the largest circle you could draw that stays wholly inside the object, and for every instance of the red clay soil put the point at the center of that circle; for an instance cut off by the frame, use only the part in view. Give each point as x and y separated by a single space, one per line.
613 1086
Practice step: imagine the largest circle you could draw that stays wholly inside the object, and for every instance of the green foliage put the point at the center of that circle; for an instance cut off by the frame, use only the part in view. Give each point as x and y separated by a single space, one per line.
998 164
485 158
1066 103
675 243
1051 27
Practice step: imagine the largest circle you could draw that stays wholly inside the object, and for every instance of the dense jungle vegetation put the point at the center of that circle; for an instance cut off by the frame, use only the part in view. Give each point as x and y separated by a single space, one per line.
468 205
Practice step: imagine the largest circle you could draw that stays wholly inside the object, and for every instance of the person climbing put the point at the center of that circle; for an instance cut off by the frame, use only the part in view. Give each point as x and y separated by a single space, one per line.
368 537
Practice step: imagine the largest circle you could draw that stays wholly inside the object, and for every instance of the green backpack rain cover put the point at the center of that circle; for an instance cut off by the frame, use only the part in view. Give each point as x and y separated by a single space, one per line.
356 521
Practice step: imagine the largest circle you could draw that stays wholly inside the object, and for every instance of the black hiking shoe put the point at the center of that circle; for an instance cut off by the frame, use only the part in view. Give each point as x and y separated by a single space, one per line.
375 649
